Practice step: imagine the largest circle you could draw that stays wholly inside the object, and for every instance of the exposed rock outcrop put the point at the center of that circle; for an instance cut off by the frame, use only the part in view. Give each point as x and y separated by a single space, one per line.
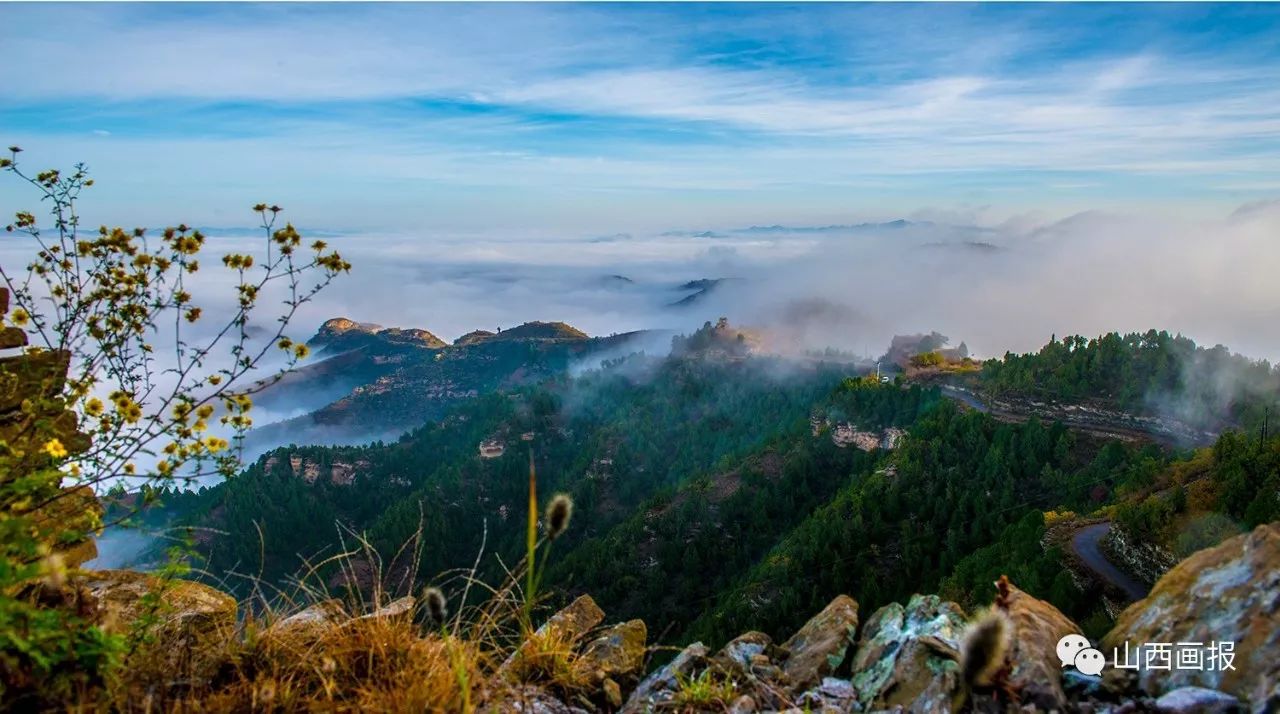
1038 626
1229 593
899 660
308 623
338 326
192 622
343 333
474 337
1147 561
412 336
34 414
542 331
659 688
820 647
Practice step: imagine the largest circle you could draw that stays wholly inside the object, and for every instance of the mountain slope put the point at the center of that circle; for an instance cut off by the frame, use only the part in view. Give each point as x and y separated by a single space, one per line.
377 383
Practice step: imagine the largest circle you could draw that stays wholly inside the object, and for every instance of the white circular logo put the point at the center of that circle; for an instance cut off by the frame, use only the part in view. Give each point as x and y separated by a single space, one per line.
1069 647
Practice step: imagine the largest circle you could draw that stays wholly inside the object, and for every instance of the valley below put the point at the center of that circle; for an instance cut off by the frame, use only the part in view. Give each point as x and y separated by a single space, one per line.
721 488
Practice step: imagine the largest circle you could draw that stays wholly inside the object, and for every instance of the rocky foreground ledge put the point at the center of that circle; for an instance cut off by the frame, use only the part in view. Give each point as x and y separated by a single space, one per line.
914 657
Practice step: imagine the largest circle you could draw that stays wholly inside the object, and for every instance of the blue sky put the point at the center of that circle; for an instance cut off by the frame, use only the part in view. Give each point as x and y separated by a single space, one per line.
588 119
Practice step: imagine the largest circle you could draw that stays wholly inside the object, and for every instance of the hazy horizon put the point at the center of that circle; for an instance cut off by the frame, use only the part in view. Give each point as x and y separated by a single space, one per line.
1066 168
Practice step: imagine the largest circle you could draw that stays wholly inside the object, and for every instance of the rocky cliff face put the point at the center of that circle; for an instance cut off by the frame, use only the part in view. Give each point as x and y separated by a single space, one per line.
1147 561
32 412
341 333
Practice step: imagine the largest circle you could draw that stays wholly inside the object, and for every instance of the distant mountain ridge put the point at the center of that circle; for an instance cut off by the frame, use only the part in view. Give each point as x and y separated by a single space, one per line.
344 333
376 383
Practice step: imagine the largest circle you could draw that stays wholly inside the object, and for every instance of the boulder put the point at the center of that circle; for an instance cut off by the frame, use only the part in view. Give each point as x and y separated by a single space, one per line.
832 695
820 647
1229 593
617 654
749 661
193 622
906 657
576 619
568 627
658 686
1037 671
741 651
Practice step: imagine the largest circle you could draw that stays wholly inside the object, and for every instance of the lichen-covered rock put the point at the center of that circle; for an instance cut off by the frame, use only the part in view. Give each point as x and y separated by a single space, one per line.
820 647
77 511
656 689
617 654
576 619
741 650
190 622
1037 671
567 626
903 657
1227 593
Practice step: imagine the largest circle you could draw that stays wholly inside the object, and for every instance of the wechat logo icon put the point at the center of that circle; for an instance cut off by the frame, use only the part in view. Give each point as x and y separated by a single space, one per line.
1075 651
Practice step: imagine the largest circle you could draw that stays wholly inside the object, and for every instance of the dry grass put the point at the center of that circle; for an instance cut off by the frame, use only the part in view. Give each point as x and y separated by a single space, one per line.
354 660
549 656
360 664
372 664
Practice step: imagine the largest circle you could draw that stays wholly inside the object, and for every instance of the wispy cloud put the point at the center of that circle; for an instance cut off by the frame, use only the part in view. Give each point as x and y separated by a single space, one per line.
579 116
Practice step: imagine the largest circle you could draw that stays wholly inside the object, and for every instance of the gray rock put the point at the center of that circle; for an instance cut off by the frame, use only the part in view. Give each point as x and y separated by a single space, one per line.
1077 684
617 653
531 700
395 608
1227 593
898 662
820 647
743 649
833 695
313 621
1197 700
657 687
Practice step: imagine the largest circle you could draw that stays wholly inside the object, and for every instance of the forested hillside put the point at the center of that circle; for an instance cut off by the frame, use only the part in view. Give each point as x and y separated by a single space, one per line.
957 485
613 439
718 491
1153 372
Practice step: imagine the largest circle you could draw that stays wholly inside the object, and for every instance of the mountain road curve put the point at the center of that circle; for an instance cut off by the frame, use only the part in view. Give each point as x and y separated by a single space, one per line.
1086 543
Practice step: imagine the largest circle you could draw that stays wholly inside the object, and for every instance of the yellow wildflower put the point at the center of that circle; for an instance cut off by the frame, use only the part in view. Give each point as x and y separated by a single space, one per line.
54 448
94 407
